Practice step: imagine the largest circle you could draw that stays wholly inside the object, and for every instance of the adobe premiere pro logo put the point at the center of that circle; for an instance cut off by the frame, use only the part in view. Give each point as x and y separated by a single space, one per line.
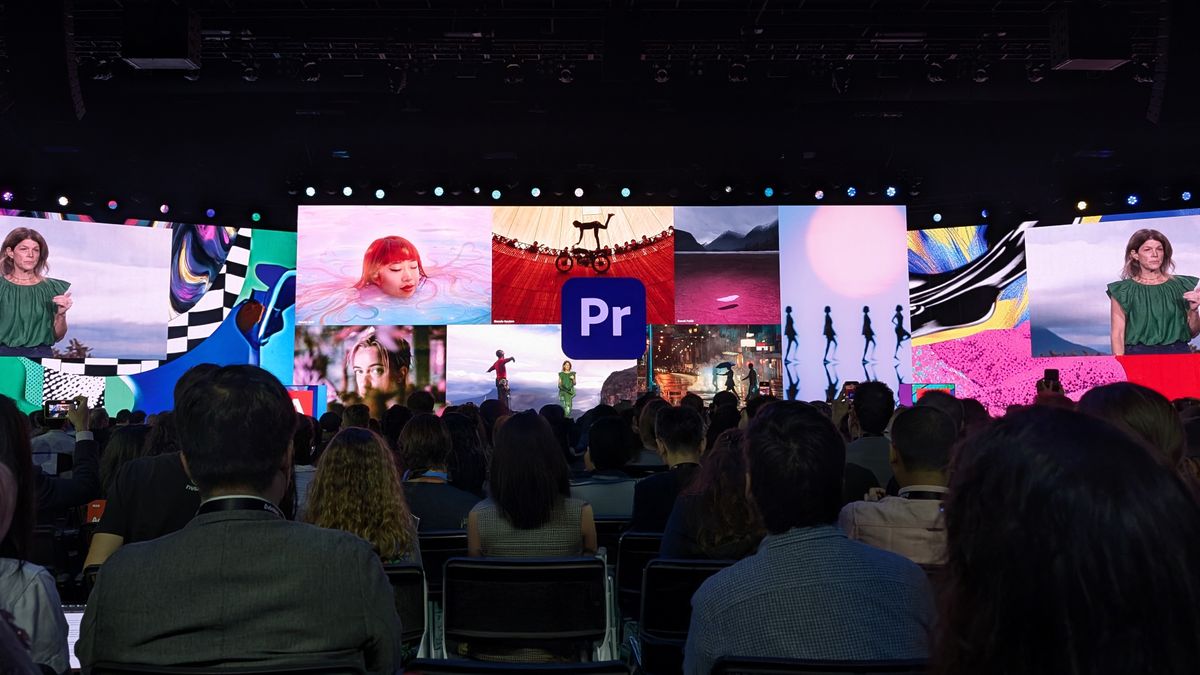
603 318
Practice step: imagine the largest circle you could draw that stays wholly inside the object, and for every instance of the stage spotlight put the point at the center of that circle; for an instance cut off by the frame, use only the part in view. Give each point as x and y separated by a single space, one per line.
839 79
211 213
768 191
112 205
983 214
163 208
937 217
63 201
566 75
535 192
513 74
7 196
310 191
1081 205
255 216
250 72
380 194
578 192
495 194
310 72
347 191
1132 200
439 191
851 191
935 72
662 75
625 192
890 191
1186 196
737 73
1035 73
819 194
728 189
981 74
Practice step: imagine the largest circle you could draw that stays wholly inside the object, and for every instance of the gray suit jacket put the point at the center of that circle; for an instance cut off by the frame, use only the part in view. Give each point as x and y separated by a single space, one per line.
242 588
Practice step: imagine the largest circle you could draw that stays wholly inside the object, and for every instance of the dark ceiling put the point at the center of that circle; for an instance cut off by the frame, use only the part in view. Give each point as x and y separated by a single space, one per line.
954 100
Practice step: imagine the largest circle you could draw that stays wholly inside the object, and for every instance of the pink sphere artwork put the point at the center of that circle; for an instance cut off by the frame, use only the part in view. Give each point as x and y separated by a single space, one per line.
854 249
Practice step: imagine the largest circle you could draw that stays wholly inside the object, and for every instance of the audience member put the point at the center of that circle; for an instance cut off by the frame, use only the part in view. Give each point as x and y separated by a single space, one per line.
303 466
1070 549
606 486
872 408
722 399
420 401
561 426
357 490
756 403
126 444
721 420
249 576
468 461
331 423
123 417
357 415
164 436
56 440
27 591
530 512
975 416
680 438
948 404
137 417
909 524
392 423
693 401
15 648
649 454
714 518
808 592
490 411
1142 412
427 446
151 496
57 493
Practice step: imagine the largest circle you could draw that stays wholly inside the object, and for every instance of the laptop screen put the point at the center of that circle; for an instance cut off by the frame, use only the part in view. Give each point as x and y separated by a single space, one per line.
74 614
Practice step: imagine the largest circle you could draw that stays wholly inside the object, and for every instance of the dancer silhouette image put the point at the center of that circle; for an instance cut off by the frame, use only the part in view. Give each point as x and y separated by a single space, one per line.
831 385
868 335
793 384
830 335
730 384
594 225
901 334
789 329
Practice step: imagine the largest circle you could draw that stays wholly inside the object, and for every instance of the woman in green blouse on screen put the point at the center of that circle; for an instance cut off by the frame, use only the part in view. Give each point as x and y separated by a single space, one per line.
566 387
1153 311
33 307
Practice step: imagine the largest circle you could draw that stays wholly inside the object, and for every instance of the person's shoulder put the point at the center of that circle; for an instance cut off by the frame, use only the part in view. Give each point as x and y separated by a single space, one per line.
885 564
1186 280
1120 286
22 574
57 286
484 505
731 583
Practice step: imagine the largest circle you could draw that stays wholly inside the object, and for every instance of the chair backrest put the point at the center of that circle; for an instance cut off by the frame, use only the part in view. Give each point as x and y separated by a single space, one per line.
408 590
462 667
608 535
438 546
634 551
740 665
667 590
314 668
525 600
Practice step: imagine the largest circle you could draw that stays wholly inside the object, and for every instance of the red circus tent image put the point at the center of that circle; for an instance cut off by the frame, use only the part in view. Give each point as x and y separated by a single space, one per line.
537 248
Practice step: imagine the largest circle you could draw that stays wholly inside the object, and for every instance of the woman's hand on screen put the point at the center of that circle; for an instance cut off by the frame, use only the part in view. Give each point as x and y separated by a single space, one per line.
63 301
1193 298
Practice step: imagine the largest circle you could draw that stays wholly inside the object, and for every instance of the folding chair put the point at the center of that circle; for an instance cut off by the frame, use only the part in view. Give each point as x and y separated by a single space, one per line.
408 590
667 589
633 552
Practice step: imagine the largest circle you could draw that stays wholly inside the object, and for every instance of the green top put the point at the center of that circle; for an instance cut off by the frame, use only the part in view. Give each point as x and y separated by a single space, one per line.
566 382
1154 315
27 312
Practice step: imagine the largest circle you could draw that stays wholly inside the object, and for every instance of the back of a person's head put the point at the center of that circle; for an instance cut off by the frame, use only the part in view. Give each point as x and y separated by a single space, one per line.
235 427
1054 510
164 436
693 401
975 415
357 489
923 438
98 419
680 430
647 420
609 443
529 476
823 407
719 421
796 459
330 422
189 378
947 404
1191 428
123 414
125 444
137 417
302 440
18 504
425 442
724 398
721 484
553 413
1141 411
874 404
644 399
755 404
468 462
356 415
55 423
420 401
394 419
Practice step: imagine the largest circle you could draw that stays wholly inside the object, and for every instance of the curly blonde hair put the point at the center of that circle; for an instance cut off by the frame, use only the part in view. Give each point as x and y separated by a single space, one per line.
357 489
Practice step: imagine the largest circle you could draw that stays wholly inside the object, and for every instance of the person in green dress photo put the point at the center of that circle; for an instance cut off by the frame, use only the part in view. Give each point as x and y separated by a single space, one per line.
566 387
33 306
1153 310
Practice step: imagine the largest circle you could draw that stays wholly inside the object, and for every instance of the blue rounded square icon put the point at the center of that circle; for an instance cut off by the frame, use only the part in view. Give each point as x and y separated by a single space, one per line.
603 318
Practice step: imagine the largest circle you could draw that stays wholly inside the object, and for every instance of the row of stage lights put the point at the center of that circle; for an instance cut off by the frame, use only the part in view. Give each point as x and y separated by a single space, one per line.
8 197
625 192
1132 199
